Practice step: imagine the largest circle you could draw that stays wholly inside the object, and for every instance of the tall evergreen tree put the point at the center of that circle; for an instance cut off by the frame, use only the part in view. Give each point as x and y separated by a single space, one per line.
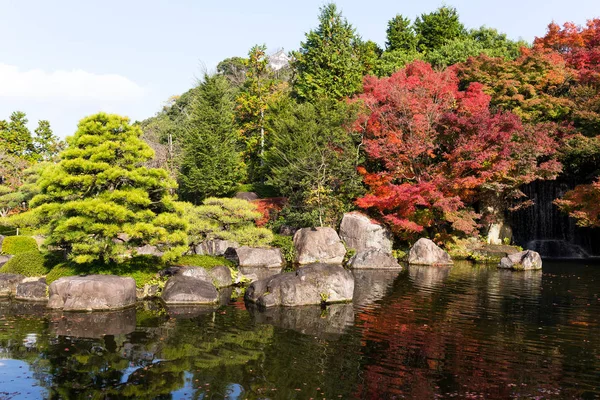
46 145
15 137
101 190
210 164
438 28
400 35
328 62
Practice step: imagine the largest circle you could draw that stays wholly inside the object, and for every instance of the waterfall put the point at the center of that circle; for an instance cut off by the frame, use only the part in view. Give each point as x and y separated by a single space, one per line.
543 228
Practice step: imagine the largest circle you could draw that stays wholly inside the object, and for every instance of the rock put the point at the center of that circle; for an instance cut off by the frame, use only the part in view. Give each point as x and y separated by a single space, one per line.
148 250
312 284
318 245
93 325
181 289
425 252
1 241
286 230
170 271
261 257
149 291
221 276
250 196
195 273
8 284
525 260
373 259
360 232
328 323
4 258
92 293
215 247
32 291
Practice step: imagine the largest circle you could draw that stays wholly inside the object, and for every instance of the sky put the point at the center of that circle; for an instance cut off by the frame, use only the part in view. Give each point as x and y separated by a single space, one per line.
61 60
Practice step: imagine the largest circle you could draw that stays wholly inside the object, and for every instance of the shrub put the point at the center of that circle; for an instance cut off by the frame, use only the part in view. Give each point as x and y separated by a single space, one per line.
31 263
19 244
263 191
286 244
207 262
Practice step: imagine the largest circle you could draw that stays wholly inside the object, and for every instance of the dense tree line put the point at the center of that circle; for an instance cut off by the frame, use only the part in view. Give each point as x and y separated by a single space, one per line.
434 134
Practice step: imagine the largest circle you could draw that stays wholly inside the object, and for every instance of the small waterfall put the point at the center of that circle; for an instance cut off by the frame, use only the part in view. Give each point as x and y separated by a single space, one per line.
543 228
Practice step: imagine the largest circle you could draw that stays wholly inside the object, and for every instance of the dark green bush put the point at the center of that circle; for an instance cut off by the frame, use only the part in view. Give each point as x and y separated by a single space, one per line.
286 244
207 262
31 263
263 191
19 244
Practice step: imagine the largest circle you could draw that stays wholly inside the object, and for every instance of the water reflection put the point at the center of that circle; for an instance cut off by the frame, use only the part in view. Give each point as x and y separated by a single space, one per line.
427 277
93 325
329 322
372 285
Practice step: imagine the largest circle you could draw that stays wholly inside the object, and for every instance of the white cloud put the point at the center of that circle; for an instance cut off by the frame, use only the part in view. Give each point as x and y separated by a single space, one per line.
38 84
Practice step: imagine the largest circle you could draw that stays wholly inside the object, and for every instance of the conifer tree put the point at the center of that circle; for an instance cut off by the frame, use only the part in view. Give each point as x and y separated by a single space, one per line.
438 28
400 35
46 145
328 63
100 191
211 160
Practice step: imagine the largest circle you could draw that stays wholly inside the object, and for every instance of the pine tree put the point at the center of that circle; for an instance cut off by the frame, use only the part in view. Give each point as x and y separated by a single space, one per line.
100 190
15 137
438 28
211 162
46 145
328 63
400 35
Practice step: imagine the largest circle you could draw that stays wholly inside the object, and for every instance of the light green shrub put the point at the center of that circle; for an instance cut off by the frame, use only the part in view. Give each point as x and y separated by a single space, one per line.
19 244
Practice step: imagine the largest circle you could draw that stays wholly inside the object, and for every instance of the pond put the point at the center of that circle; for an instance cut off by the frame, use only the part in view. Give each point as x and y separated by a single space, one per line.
422 333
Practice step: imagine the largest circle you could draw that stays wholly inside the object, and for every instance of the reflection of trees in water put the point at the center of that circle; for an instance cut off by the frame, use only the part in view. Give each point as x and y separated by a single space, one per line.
476 330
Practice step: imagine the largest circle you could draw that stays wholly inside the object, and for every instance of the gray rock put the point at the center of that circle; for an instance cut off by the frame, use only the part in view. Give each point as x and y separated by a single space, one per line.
250 196
426 252
221 276
195 273
257 257
92 293
93 325
524 260
215 247
286 230
253 274
4 258
360 233
1 241
328 323
8 284
148 250
185 290
373 259
312 284
32 291
318 245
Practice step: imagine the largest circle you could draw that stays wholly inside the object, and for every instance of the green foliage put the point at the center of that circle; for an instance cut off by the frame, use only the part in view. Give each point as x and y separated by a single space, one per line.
226 219
286 244
438 28
15 137
400 35
207 262
313 159
100 190
46 145
18 244
19 196
263 191
30 263
392 61
143 269
481 41
211 162
234 69
369 53
328 62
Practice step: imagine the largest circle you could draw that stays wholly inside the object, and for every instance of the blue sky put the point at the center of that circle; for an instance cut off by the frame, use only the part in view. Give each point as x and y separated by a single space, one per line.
61 60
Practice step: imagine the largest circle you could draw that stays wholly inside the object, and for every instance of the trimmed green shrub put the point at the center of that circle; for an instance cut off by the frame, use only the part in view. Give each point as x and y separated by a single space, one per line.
19 244
31 263
207 262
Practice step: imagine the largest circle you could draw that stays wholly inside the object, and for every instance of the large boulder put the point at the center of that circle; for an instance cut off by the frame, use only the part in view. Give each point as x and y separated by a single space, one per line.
216 247
32 291
8 284
426 252
318 245
524 260
92 293
360 233
221 276
249 196
181 289
373 259
148 250
312 284
257 257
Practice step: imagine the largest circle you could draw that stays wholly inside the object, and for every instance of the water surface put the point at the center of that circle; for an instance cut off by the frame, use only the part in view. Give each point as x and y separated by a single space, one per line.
423 333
